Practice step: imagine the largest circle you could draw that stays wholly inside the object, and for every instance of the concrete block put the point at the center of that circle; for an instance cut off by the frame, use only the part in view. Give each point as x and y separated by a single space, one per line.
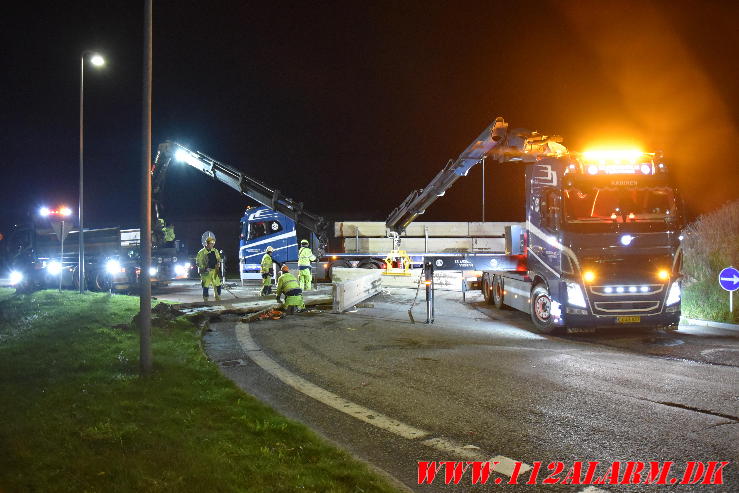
420 245
492 245
354 290
420 229
339 274
363 228
489 228
453 229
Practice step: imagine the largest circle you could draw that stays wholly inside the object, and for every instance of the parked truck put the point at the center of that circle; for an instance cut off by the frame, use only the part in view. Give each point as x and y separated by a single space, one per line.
33 258
281 222
600 245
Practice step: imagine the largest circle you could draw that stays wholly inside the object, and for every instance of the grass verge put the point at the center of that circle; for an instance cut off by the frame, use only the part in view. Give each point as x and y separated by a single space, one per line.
76 416
704 300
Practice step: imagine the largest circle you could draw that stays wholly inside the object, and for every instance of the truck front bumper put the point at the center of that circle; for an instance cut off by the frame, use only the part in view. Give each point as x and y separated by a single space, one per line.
658 320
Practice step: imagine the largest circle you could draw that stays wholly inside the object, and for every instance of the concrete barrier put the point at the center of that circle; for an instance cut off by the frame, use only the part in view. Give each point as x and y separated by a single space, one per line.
352 286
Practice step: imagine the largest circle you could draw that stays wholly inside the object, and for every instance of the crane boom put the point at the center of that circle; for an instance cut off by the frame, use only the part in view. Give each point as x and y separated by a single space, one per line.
497 142
236 179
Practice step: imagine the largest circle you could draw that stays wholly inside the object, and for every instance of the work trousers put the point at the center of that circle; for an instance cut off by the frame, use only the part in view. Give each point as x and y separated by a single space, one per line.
305 278
205 291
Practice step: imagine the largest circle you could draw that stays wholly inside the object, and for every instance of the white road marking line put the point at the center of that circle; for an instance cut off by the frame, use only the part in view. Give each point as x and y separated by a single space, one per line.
379 420
322 395
506 465
447 446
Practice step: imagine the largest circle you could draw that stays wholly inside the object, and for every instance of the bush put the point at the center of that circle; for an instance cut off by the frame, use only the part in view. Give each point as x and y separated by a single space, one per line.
710 244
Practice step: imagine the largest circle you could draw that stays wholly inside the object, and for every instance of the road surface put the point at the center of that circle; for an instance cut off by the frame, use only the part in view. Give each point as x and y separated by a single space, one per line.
481 384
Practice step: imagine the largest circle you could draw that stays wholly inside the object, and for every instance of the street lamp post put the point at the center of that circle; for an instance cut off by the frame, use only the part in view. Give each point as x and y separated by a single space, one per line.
97 61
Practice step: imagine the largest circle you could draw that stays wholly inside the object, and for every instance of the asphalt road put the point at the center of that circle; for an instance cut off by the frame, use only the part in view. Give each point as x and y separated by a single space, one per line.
480 383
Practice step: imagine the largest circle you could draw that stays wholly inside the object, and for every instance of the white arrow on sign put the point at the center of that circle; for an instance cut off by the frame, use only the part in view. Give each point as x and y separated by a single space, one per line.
734 279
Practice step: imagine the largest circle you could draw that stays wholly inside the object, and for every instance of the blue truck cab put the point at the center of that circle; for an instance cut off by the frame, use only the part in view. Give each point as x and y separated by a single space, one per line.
601 243
262 227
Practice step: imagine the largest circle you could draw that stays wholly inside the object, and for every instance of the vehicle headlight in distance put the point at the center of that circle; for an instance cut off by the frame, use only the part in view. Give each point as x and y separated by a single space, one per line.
54 267
674 295
15 277
113 267
152 271
180 269
574 295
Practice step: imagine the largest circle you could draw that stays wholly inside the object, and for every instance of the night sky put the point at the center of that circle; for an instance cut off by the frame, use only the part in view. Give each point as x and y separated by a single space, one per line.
348 106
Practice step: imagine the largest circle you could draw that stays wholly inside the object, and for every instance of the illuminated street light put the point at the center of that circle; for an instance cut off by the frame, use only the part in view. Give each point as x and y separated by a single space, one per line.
98 61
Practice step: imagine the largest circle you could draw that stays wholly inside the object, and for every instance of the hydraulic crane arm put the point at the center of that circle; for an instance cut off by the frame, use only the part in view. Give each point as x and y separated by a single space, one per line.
496 142
240 182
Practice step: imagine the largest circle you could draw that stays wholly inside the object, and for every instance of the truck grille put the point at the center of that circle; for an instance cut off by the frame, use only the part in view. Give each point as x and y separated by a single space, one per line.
626 299
626 306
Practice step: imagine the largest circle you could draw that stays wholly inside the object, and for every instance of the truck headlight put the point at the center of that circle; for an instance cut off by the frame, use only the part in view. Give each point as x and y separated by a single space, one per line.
54 267
15 277
113 267
674 295
180 270
152 271
574 295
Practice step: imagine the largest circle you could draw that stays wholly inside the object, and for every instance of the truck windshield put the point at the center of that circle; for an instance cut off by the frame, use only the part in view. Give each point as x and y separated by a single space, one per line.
619 204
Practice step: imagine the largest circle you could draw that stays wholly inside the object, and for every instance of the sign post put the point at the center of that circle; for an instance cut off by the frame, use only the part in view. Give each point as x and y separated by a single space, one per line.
728 278
61 229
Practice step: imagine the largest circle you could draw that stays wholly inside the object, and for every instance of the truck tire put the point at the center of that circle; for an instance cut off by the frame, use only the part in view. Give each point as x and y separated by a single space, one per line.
487 289
541 306
367 264
497 293
100 282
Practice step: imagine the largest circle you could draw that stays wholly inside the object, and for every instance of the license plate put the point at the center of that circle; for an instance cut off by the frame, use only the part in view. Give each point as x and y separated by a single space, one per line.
628 320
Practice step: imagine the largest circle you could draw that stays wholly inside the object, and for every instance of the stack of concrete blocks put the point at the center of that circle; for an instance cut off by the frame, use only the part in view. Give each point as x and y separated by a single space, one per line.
421 237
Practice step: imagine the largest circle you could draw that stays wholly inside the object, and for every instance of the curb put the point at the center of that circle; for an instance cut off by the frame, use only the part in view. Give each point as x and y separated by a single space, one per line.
709 323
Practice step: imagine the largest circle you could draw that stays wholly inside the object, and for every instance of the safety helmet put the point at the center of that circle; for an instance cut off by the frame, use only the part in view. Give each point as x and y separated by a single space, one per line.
304 242
285 268
210 239
269 249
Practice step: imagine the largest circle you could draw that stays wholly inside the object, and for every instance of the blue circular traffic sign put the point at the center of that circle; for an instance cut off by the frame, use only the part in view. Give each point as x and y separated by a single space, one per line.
729 279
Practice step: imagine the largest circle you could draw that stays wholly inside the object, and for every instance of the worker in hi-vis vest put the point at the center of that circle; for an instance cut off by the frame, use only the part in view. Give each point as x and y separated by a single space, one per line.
208 261
288 285
266 271
305 257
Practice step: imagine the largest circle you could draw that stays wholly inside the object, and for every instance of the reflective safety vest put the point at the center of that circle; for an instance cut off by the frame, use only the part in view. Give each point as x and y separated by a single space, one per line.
286 283
305 257
266 263
201 260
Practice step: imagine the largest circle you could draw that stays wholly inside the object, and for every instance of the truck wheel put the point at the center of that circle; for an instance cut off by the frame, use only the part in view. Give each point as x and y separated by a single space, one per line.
541 310
100 282
497 293
487 289
368 265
